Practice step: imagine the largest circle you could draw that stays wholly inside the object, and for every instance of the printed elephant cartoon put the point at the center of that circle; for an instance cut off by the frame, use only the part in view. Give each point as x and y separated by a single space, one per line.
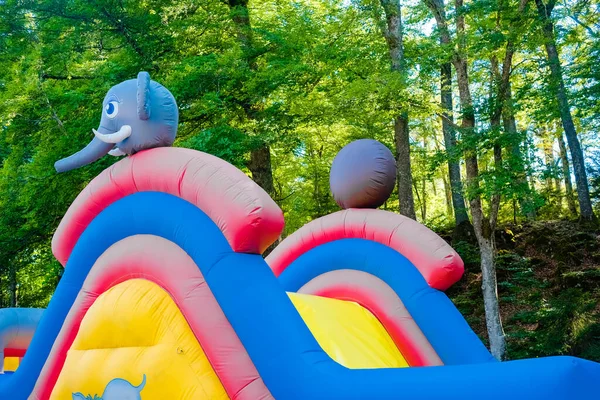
117 389
137 114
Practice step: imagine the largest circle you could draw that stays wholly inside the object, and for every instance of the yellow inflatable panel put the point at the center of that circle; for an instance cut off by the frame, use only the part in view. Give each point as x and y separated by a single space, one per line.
133 340
348 332
11 364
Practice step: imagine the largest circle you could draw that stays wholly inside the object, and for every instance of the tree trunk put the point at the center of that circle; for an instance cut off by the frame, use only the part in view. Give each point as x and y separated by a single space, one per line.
558 192
503 108
483 230
462 232
424 213
424 189
458 201
495 126
489 286
12 285
555 175
564 160
448 193
517 165
405 180
262 174
558 85
260 166
392 32
531 159
241 18
260 157
419 201
510 124
552 181
549 163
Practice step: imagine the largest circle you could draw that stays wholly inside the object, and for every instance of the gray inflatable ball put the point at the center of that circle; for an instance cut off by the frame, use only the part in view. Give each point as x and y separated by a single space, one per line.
363 174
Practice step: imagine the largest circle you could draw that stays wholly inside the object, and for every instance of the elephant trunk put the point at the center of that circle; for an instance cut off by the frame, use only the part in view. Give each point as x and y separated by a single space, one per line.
95 150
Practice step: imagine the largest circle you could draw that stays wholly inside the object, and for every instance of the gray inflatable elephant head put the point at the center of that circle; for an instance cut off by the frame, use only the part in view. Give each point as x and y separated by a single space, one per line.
137 114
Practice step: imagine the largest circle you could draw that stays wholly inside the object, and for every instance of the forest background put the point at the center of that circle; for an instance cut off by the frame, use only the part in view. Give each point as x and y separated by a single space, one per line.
491 108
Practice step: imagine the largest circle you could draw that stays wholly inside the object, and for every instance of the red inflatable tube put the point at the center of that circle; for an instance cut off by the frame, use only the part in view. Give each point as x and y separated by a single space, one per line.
249 219
439 264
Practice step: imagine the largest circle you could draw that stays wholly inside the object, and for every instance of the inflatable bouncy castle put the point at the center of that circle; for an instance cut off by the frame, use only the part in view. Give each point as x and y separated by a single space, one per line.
17 326
166 295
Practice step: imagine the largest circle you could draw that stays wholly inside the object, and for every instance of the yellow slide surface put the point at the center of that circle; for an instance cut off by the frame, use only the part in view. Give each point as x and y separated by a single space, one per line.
135 329
134 336
348 332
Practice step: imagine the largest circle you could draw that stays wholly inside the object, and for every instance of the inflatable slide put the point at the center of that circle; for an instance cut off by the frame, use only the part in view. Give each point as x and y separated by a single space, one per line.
166 294
17 326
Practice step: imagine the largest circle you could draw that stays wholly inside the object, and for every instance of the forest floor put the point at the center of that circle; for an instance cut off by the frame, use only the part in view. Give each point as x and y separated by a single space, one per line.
549 289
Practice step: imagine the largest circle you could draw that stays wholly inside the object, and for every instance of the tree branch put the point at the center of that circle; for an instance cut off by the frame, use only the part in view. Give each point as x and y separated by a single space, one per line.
64 78
584 26
285 197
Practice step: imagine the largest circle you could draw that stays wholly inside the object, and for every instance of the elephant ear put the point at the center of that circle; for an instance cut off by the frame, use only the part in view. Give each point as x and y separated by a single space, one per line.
143 95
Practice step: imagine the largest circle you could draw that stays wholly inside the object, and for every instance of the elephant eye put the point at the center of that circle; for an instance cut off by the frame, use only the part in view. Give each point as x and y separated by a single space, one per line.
112 109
